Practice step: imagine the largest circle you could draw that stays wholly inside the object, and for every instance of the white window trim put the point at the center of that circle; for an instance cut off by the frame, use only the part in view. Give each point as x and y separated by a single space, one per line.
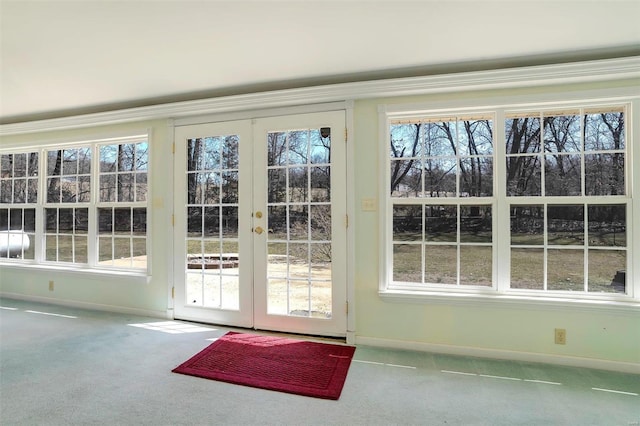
92 268
501 295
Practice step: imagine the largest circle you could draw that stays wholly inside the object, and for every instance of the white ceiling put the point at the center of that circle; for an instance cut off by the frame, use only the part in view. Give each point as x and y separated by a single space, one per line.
69 57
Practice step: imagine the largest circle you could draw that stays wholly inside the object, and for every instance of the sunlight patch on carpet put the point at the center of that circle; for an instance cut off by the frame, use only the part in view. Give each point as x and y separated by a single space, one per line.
172 327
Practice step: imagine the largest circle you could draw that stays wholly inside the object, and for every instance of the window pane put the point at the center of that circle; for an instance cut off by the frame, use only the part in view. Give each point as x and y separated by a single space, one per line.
440 177
522 135
475 137
108 188
142 156
440 139
141 186
320 147
122 221
524 176
607 225
441 223
320 184
476 177
607 271
405 140
562 133
604 131
230 187
527 225
475 224
440 264
565 225
527 269
212 153
320 222
19 165
476 265
125 187
406 178
298 147
105 221
108 154
562 175
407 263
298 185
604 174
565 270
277 184
407 222
276 149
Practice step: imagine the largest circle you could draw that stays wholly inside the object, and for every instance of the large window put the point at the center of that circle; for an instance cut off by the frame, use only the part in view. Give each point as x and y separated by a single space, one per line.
560 187
90 199
18 198
441 187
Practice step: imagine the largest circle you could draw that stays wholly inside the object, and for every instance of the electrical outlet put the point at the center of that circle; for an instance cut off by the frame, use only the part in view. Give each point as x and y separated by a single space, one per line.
51 285
560 336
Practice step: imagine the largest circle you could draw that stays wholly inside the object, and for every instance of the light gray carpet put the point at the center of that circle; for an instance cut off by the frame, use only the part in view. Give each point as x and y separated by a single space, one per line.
84 367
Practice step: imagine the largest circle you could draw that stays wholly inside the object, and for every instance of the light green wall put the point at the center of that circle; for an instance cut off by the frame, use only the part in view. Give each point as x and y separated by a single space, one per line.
596 334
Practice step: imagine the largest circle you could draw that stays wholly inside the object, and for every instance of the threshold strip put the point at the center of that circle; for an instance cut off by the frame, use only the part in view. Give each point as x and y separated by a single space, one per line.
615 391
50 314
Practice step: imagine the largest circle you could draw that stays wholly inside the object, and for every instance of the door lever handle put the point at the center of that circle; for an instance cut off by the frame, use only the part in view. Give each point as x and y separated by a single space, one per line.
258 230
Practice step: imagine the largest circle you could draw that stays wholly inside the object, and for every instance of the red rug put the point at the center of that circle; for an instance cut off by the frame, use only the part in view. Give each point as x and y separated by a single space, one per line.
276 363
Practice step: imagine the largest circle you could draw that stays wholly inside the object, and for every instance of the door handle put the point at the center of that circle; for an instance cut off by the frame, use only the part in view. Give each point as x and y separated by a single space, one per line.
258 230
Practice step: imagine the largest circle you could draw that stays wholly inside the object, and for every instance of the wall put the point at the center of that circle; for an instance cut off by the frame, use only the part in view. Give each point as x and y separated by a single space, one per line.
603 338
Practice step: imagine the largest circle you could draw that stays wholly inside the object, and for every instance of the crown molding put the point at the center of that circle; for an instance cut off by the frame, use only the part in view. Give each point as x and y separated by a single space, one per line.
567 73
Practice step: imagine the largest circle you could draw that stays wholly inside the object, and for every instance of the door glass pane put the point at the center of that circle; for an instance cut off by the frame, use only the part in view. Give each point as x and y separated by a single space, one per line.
299 223
212 275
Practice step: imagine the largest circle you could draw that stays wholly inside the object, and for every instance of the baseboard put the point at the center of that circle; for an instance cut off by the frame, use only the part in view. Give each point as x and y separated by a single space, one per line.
600 364
90 306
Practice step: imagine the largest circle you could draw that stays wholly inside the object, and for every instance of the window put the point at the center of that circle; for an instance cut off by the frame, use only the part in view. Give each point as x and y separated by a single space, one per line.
563 186
566 190
441 187
18 197
92 205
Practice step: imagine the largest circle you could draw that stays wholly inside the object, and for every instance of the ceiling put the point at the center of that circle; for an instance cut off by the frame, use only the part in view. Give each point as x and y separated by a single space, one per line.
61 58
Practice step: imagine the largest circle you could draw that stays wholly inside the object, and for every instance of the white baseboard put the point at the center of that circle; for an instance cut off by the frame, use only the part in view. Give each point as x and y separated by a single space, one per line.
90 306
600 364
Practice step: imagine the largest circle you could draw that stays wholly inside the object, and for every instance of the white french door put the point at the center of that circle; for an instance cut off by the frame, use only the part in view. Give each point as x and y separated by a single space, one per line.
260 229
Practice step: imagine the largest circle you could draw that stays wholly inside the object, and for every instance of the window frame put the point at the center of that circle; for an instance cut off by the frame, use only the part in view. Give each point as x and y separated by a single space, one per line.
92 204
500 290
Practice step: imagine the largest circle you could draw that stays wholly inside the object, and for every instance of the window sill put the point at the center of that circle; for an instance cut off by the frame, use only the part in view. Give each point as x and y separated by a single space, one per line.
511 301
135 275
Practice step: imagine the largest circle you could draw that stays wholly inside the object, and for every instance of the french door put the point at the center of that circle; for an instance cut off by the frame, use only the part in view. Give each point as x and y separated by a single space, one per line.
260 219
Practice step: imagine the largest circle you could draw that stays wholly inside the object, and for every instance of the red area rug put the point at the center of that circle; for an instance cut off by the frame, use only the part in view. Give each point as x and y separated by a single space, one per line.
276 363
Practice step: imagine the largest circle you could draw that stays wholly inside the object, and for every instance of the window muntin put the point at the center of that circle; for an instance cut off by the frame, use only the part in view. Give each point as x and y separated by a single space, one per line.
438 166
564 185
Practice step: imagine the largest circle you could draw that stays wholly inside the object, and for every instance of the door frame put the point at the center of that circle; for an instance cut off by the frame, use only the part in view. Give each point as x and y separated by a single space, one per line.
288 107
